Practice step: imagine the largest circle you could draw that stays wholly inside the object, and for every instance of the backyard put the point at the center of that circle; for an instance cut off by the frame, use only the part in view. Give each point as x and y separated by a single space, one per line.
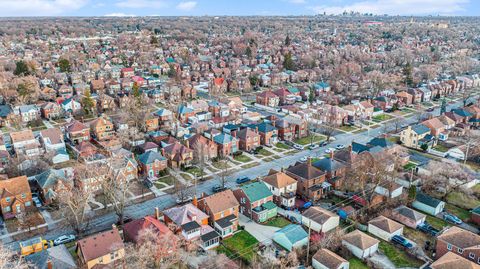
356 263
310 139
242 245
279 222
398 257
463 200
436 222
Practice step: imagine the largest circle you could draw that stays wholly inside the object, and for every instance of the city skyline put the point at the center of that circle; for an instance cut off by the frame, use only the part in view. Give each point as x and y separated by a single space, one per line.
20 8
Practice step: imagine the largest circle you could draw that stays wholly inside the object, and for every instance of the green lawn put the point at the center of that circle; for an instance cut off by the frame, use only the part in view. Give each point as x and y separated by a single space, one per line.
381 117
264 152
441 148
170 180
348 128
282 146
186 176
279 222
476 188
409 166
250 165
463 214
242 158
398 257
462 200
220 165
436 222
356 263
241 244
306 140
194 171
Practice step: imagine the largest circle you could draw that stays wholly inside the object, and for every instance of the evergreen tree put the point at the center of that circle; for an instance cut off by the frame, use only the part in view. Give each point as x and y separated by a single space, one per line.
136 90
64 65
153 40
248 52
21 69
288 62
287 40
407 72
87 102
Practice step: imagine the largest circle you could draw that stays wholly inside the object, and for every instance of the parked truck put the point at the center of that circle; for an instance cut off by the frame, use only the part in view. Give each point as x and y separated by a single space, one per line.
34 245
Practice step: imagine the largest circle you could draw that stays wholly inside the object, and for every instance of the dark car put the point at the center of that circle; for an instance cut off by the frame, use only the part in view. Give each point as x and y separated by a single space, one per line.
218 188
430 109
126 219
324 143
242 180
400 240
147 183
428 229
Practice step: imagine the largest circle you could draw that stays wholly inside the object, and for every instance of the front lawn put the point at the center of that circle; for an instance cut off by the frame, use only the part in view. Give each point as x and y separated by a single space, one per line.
381 117
242 158
310 139
264 152
356 263
194 171
250 165
441 148
282 146
409 166
239 245
187 177
398 257
169 180
279 222
220 165
348 128
436 222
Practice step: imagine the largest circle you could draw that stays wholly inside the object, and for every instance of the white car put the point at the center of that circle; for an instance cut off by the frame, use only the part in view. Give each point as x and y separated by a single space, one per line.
297 147
37 201
64 239
315 146
329 150
185 200
340 146
303 159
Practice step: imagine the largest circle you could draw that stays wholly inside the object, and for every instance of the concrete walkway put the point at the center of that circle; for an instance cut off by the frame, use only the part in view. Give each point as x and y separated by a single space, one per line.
48 219
381 261
262 233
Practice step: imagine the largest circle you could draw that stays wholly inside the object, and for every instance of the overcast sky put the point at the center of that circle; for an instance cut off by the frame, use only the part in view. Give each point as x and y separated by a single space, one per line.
234 7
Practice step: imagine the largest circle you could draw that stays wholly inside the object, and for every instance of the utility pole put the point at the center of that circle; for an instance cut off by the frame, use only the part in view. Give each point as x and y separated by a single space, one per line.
308 244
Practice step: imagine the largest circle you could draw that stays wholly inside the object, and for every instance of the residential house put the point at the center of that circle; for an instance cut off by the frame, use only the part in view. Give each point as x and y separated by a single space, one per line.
57 257
71 106
286 131
203 146
268 98
459 241
192 224
29 113
178 155
384 228
451 261
326 259
416 95
408 216
50 183
283 187
389 189
6 115
152 163
437 128
165 118
248 139
148 146
51 110
24 142
416 136
405 98
76 132
15 196
360 244
52 141
428 204
291 237
222 208
300 126
268 133
101 250
311 183
334 169
256 201
320 220
227 144
102 129
124 167
476 215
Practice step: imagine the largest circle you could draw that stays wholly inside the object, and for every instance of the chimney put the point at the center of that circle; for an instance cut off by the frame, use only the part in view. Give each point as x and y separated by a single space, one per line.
195 201
234 134
187 143
157 213
49 264
309 161
163 152
203 195
114 227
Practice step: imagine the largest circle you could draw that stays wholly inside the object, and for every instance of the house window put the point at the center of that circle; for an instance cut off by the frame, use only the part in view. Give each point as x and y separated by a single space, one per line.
100 260
7 199
112 256
449 247
28 203
6 209
460 250
471 255
24 196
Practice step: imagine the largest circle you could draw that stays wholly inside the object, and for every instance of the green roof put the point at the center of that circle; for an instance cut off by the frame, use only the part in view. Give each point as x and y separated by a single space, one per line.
269 205
256 191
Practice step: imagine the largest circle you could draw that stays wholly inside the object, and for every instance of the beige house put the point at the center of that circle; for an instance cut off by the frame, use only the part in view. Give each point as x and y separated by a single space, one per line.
416 136
101 250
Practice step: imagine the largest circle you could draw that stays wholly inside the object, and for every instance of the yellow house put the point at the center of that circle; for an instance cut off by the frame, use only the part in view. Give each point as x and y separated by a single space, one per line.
34 245
105 248
416 136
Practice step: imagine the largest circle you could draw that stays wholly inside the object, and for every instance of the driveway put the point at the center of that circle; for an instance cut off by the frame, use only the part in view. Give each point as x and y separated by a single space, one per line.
464 225
262 233
381 261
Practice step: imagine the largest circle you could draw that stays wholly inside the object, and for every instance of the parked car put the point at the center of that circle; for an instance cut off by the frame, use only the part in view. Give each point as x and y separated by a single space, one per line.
184 200
307 205
329 150
400 240
340 146
304 159
430 109
452 218
64 239
293 219
126 219
428 229
324 143
147 183
315 146
218 188
295 146
36 201
242 180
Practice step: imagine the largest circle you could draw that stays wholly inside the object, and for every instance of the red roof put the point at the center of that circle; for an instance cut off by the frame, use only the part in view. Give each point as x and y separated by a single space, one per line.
218 81
132 229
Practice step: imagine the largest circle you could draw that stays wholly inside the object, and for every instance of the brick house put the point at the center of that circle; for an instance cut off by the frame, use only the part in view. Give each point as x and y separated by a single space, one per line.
102 250
459 241
102 129
268 133
286 131
283 187
151 163
227 144
76 132
248 139
268 98
256 201
51 110
222 209
405 98
200 144
310 180
16 196
177 155
335 170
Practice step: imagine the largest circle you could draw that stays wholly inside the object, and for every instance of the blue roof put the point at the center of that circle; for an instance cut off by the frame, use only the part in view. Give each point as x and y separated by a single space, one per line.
5 110
256 191
420 129
322 84
474 120
293 233
381 142
327 164
359 148
230 126
150 157
184 110
263 127
462 112
223 138
293 90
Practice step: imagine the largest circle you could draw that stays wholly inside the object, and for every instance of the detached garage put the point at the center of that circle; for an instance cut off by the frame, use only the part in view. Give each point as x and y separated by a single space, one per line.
360 244
384 228
320 220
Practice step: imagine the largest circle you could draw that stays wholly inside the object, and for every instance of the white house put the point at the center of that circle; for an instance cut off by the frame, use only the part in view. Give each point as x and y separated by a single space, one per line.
283 188
52 139
428 204
319 219
326 259
360 244
71 105
24 142
384 228
389 189
29 112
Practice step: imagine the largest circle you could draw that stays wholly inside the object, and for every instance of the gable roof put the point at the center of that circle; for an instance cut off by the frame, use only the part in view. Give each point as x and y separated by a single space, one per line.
428 200
49 178
318 214
181 215
100 244
453 261
420 129
221 201
460 238
59 256
328 164
133 229
54 134
14 186
328 258
386 224
409 213
150 157
279 180
305 170
360 239
292 232
256 191
23 135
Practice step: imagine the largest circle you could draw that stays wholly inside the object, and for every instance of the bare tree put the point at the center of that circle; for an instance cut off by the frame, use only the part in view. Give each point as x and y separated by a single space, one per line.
225 171
397 123
27 220
74 209
445 177
10 260
182 191
200 154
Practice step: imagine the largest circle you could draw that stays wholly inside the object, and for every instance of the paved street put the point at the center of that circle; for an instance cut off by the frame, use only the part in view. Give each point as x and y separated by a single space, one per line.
167 200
